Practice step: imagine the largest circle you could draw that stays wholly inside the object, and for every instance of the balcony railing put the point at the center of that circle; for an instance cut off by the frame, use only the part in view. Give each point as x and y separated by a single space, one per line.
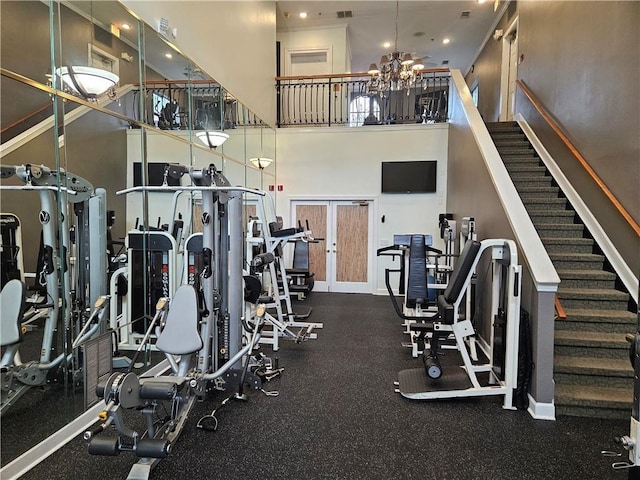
197 105
350 100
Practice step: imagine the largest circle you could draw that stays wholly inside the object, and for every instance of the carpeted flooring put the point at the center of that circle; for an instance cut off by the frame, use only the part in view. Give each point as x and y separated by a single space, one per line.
337 417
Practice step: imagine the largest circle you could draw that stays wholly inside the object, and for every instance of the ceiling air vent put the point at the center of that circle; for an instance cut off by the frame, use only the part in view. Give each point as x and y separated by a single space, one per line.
465 14
445 62
345 14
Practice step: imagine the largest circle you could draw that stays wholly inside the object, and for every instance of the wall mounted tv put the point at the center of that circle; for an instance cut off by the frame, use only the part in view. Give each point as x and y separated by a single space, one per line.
409 177
155 175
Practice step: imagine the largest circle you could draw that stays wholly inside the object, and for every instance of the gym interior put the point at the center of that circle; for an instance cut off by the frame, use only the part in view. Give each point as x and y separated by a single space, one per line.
291 269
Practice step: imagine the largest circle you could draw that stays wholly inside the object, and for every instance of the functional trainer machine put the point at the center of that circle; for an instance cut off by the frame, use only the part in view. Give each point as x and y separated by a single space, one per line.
206 331
74 274
270 237
437 380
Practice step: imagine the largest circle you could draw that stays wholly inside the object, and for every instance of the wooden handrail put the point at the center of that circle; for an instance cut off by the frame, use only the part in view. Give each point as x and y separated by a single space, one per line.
559 309
24 119
594 176
351 75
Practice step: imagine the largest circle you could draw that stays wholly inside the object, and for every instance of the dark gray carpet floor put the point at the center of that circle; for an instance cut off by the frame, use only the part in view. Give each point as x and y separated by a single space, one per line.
338 417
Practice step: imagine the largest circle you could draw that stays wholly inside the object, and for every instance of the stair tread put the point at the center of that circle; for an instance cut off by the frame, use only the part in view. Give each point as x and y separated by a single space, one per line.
602 366
581 393
574 241
576 256
604 339
589 314
590 274
609 293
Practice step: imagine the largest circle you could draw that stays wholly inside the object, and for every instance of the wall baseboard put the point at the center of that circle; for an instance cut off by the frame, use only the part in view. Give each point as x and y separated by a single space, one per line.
541 411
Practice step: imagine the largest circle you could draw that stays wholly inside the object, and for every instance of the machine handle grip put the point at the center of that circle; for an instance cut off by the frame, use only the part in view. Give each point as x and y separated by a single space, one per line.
89 434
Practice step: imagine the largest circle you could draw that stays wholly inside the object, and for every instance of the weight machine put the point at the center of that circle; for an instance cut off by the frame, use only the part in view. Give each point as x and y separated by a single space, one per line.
500 349
73 273
270 237
207 331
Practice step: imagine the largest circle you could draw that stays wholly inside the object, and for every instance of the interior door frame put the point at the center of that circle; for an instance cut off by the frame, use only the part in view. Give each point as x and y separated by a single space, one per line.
504 71
372 231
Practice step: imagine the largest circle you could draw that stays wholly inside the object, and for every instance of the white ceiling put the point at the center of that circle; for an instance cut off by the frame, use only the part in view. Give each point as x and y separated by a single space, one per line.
422 25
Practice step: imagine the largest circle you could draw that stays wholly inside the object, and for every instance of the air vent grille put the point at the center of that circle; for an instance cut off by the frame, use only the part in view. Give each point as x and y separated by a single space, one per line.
465 14
445 62
345 14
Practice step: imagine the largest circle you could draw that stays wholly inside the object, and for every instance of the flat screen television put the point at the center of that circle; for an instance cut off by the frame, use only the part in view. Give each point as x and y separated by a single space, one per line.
155 175
409 177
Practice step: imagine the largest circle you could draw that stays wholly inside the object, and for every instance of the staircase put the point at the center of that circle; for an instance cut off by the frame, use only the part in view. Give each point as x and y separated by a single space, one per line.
592 371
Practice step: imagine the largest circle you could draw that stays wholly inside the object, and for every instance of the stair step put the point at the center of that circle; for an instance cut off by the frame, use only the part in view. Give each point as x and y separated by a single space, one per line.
525 169
587 278
555 203
598 402
503 126
560 230
592 380
577 261
596 298
508 135
591 344
511 143
532 182
552 216
609 321
608 367
535 191
516 151
568 245
520 160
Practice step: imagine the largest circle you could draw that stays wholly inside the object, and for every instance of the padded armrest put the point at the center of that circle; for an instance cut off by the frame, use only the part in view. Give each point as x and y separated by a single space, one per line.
445 309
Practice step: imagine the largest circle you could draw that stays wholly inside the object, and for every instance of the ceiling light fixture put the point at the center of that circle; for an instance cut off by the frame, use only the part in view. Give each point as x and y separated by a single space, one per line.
261 162
88 82
303 14
397 70
446 41
212 138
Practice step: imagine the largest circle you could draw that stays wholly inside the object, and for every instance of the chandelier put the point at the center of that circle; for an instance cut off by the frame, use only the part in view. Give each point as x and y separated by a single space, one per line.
397 70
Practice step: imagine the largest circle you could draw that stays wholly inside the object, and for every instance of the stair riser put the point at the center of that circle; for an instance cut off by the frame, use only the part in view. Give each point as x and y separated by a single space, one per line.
529 166
604 327
544 218
593 412
534 204
549 231
567 248
592 304
593 380
512 144
534 195
515 152
524 184
591 352
521 161
582 283
566 264
527 173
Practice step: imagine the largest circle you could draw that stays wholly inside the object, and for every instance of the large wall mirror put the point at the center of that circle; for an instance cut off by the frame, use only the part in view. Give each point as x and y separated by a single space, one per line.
56 218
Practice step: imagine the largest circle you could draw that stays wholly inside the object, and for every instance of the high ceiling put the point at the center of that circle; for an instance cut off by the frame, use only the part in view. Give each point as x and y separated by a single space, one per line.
422 26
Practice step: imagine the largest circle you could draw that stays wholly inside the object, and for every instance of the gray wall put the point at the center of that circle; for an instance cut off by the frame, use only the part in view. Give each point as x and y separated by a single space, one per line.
581 61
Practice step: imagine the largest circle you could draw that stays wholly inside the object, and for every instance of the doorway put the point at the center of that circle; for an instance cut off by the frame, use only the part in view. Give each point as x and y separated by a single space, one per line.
509 72
341 260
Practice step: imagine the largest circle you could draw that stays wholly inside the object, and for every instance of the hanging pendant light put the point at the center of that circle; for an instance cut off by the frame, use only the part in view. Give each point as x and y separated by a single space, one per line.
397 70
212 138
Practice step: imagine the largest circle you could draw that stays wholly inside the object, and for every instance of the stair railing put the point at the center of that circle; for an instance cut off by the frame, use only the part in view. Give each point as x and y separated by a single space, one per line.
556 128
627 276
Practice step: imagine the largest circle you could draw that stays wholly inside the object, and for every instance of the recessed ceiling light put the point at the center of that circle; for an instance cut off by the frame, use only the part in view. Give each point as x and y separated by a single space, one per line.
445 41
168 55
125 26
386 44
303 14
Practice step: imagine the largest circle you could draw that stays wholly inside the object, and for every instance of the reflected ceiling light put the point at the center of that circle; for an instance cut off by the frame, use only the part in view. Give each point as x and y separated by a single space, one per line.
168 55
445 41
125 26
397 70
261 162
303 14
88 82
212 138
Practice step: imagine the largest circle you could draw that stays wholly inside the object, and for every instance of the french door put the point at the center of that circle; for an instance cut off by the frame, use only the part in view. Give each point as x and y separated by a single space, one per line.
341 259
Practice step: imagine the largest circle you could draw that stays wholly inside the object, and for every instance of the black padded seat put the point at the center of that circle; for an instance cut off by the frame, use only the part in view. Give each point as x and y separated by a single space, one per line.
180 335
11 308
417 284
457 281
